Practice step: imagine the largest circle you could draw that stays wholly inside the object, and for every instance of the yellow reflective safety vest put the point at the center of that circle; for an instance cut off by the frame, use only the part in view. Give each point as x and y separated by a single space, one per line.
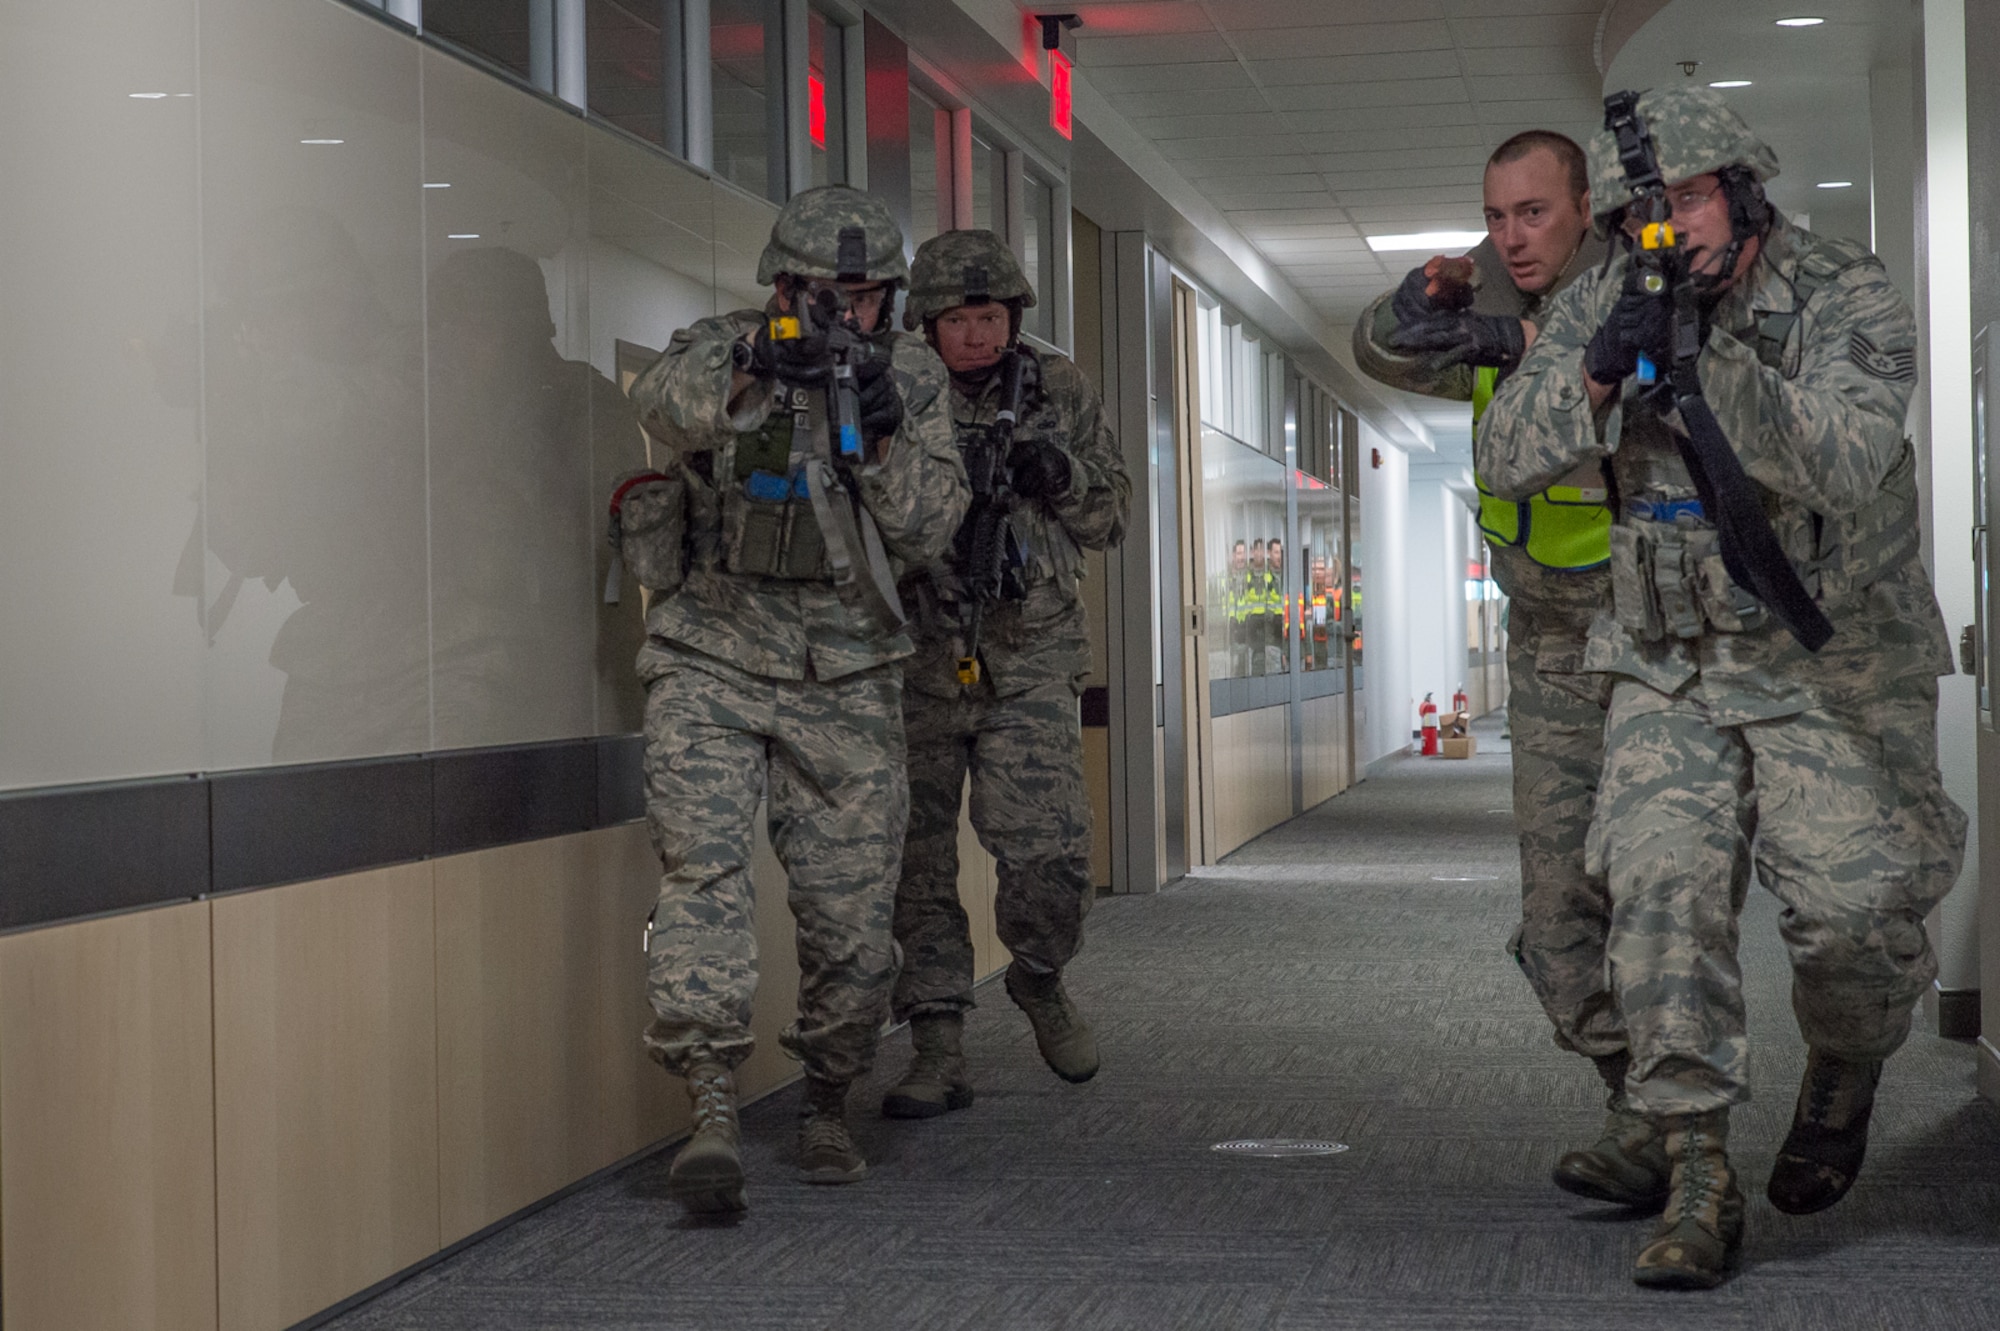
1565 526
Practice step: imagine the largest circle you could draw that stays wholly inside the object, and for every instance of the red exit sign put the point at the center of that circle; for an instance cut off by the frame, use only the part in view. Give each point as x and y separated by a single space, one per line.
1059 103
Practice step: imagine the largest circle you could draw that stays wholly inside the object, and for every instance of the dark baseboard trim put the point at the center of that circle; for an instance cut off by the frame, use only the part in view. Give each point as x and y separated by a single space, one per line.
1957 1013
69 853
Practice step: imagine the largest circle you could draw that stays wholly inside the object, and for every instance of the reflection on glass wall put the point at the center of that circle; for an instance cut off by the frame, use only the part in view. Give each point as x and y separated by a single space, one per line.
989 186
634 60
1322 601
742 48
930 143
1243 513
826 99
1350 450
1038 253
503 31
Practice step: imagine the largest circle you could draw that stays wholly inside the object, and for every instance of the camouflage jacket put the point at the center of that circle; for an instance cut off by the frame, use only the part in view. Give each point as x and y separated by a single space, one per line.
780 628
1040 638
1577 594
1820 434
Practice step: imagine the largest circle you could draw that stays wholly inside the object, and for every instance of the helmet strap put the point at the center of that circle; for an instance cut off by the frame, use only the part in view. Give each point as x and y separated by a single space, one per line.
851 258
1749 219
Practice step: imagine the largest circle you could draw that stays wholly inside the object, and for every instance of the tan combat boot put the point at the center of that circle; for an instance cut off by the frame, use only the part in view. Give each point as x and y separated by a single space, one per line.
707 1174
1628 1164
1061 1033
826 1153
1822 1153
1699 1237
935 1083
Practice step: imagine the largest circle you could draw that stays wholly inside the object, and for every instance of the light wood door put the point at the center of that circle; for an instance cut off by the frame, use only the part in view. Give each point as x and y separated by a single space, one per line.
1197 714
325 1091
107 1125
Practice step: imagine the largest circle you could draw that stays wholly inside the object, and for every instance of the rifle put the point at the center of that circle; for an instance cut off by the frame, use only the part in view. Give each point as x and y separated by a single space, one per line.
819 419
983 540
1751 553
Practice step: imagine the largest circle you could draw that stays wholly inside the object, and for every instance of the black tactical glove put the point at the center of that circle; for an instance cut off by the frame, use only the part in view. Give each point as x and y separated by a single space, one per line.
1411 304
881 404
1038 469
1640 324
1464 338
796 360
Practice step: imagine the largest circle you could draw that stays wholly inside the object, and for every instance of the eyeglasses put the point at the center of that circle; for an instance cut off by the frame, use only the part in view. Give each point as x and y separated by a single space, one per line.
1685 203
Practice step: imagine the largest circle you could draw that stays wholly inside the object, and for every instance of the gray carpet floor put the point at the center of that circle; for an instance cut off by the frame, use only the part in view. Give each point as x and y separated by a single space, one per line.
1341 978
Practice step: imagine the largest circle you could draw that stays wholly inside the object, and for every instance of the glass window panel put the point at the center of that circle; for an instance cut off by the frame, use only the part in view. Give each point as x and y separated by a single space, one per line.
988 191
1243 511
1321 644
741 39
496 29
633 50
1350 451
826 92
1038 249
930 130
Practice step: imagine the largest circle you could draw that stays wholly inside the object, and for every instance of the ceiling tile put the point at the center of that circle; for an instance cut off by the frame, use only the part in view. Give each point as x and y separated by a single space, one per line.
1339 96
1180 150
1396 137
1170 48
1212 168
1139 16
1236 15
1572 30
1188 101
1374 67
1481 61
1533 87
1468 195
1348 39
1111 80
1511 8
1462 175
1239 125
1389 218
1452 155
1349 119
1334 232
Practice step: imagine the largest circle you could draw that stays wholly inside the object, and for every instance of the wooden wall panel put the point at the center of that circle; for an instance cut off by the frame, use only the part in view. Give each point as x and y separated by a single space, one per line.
107 1146
1252 790
1097 780
541 1001
326 1091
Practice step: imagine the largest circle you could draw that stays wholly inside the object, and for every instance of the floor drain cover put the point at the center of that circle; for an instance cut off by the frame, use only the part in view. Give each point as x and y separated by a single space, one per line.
1279 1147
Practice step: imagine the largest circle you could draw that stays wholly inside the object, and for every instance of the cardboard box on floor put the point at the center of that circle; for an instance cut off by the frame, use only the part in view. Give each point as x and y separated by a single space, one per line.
1460 746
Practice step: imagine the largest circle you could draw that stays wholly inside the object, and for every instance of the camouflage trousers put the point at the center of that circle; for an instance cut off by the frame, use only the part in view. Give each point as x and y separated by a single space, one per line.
1555 716
1025 756
1841 813
828 756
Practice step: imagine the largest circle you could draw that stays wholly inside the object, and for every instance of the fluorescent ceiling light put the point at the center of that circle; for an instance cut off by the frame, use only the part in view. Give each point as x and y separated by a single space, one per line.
463 235
1730 83
1800 22
437 184
147 96
322 140
1437 242
1836 184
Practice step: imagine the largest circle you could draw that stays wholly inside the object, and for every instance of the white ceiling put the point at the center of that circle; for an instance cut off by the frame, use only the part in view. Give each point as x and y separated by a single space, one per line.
1313 124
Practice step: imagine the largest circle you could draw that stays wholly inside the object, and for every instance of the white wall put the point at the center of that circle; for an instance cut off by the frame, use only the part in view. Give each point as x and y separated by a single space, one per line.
1434 555
1385 508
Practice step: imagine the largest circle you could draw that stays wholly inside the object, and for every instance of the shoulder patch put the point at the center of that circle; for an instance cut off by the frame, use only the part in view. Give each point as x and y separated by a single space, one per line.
1897 365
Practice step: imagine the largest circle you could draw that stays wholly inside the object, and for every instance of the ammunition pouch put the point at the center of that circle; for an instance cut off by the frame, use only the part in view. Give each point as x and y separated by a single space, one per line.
769 529
648 531
1668 580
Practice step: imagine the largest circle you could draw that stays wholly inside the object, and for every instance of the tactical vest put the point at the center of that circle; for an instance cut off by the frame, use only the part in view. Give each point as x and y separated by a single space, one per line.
1563 527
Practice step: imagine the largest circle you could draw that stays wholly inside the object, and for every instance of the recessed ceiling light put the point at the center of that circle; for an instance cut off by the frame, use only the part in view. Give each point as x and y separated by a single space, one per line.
322 141
146 96
1836 184
1801 22
437 184
463 235
1730 83
1437 242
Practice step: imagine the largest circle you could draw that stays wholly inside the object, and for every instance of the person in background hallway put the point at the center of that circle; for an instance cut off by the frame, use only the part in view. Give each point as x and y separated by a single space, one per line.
1256 609
1730 743
1550 555
1278 648
764 681
1015 729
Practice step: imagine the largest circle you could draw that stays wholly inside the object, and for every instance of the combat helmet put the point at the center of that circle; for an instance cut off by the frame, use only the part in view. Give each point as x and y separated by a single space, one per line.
1694 132
837 233
963 268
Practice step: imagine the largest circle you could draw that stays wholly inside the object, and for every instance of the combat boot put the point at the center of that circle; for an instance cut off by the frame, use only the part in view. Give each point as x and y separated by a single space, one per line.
826 1153
1698 1239
1061 1033
1628 1164
935 1083
1822 1153
707 1174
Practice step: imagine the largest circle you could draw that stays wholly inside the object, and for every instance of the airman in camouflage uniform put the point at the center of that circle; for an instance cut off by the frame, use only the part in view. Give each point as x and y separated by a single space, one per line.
1540 243
1730 745
768 681
1015 730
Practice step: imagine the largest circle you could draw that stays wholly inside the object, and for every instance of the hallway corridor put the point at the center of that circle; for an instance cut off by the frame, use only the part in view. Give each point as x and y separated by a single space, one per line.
1341 978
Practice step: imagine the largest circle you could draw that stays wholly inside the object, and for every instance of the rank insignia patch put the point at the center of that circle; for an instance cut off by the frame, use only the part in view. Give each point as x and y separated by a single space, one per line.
1897 366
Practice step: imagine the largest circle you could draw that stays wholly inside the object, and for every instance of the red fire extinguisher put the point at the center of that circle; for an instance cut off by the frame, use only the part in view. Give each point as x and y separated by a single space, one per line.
1427 717
1459 702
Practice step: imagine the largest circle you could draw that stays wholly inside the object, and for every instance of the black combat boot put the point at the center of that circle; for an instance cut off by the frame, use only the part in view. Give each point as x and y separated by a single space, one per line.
1822 1153
826 1153
707 1174
935 1083
1699 1238
1628 1164
1061 1033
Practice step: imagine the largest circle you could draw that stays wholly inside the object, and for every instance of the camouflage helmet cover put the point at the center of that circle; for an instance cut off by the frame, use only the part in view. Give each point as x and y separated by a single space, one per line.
807 239
963 268
1694 132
